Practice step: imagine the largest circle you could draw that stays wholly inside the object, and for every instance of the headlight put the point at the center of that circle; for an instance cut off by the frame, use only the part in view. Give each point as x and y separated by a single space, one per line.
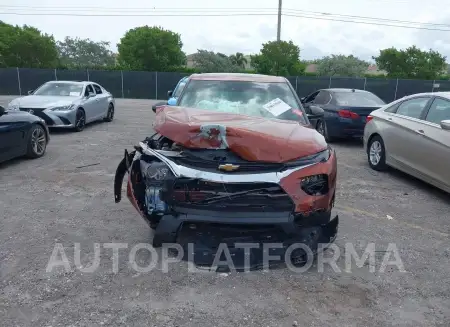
315 184
155 172
13 106
322 156
63 108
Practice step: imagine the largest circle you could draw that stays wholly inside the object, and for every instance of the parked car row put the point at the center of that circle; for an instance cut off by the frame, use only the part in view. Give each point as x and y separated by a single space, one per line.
25 121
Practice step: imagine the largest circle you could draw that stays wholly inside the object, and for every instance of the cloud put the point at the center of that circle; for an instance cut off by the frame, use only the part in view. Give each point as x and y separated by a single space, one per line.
315 37
436 40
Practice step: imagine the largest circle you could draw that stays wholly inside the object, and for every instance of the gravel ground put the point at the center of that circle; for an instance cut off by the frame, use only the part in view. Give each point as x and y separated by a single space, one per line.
50 200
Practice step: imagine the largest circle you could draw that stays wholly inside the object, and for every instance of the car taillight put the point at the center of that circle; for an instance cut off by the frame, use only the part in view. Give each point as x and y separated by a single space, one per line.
348 114
369 118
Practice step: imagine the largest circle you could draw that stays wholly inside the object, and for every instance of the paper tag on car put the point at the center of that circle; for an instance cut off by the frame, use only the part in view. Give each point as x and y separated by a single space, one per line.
276 107
74 94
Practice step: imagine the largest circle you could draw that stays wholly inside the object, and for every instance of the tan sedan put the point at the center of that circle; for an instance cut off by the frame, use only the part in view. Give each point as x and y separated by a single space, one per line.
412 134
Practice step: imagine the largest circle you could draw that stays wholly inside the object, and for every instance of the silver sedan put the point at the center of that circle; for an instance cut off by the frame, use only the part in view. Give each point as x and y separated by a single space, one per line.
67 104
412 134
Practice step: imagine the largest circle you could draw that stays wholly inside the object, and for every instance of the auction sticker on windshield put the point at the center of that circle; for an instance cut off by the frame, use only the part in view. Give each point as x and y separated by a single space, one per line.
276 107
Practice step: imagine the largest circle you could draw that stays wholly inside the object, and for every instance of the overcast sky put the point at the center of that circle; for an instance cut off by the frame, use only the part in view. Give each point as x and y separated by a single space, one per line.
316 38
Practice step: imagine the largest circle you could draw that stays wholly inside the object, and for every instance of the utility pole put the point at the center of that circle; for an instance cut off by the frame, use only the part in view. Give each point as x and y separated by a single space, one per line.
279 20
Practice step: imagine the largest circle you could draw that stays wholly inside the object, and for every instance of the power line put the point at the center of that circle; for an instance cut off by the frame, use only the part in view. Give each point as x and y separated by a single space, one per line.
293 11
369 23
214 10
138 15
229 12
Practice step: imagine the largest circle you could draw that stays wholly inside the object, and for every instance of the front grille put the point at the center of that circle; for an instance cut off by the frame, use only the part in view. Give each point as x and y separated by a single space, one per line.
40 113
229 197
213 166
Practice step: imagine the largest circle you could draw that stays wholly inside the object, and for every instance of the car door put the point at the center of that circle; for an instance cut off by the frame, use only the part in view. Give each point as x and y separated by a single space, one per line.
90 104
12 136
404 136
433 147
102 101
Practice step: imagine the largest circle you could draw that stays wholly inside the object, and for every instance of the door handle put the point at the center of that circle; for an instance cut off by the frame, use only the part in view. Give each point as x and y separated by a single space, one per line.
420 131
389 118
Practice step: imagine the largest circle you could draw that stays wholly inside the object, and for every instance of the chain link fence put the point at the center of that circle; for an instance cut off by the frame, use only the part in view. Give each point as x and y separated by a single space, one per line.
154 85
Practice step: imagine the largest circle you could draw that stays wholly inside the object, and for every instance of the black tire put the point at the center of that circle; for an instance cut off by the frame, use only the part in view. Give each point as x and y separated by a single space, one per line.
376 145
80 120
321 127
110 114
37 142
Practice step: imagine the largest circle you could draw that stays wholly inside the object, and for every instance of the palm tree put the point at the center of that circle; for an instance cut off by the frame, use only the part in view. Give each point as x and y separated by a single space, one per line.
238 59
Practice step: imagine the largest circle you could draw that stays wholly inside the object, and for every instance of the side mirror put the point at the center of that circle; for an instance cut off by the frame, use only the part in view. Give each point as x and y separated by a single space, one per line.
159 104
316 112
90 95
2 111
445 124
30 92
169 94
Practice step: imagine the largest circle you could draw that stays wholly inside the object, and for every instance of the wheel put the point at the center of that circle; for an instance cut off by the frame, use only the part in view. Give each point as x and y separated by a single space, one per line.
110 114
80 120
37 142
321 127
376 153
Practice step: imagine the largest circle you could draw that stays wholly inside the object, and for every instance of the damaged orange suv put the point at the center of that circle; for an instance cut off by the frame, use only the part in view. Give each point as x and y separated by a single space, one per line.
236 160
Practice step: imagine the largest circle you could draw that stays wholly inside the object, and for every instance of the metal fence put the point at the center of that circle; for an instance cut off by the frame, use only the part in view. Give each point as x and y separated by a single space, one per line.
154 85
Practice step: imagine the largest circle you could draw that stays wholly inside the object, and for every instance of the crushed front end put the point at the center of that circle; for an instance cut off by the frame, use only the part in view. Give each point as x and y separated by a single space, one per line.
212 196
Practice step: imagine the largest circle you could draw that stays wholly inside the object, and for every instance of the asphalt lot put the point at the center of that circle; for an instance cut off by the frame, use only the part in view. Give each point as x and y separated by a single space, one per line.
50 200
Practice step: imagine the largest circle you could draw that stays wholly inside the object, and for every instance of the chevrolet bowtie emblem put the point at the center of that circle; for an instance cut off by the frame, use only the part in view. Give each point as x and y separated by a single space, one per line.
229 167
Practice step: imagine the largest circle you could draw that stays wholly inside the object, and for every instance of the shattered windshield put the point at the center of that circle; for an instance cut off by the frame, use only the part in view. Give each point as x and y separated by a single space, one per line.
269 100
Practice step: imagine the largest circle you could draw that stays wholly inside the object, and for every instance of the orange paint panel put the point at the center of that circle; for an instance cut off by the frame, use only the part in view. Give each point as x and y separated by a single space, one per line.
252 138
306 203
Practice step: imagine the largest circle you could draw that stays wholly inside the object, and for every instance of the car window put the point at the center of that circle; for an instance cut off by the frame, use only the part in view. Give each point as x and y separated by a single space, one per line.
269 100
322 98
358 99
392 109
59 89
311 97
97 88
88 90
413 107
179 89
439 111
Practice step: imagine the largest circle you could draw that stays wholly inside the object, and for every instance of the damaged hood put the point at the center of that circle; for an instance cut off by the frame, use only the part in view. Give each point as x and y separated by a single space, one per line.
251 138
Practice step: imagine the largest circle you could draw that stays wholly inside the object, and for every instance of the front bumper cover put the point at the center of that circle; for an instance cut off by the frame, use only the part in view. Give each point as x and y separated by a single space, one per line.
200 237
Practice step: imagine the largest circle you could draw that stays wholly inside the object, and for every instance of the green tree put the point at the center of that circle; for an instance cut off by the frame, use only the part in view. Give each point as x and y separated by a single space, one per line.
278 58
26 46
341 65
239 59
76 52
151 48
411 63
210 62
